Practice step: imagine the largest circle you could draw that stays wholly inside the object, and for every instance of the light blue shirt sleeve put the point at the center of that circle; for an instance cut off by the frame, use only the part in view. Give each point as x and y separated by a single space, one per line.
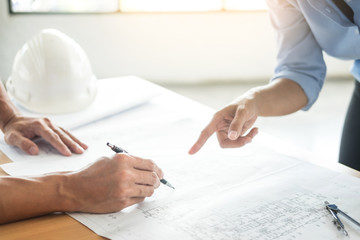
299 56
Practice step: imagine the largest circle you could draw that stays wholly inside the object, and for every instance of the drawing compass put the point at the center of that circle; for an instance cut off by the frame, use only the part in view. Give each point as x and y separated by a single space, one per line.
334 210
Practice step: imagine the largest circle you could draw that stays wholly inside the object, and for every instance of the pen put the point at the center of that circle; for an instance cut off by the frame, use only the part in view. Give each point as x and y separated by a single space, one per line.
121 150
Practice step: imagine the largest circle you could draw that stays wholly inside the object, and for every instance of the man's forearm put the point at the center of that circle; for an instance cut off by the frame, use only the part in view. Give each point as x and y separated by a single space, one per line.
29 197
107 185
278 98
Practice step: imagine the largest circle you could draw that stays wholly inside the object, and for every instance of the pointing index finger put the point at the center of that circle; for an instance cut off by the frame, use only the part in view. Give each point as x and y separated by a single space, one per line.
204 136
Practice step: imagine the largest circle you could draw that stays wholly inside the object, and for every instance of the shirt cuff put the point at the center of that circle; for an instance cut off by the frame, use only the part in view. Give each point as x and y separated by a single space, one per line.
310 86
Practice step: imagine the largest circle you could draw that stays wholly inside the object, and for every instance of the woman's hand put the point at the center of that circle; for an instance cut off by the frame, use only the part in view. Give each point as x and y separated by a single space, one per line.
280 97
230 125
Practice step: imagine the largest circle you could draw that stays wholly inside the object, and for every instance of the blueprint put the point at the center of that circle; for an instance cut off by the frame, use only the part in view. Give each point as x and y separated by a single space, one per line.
249 193
277 206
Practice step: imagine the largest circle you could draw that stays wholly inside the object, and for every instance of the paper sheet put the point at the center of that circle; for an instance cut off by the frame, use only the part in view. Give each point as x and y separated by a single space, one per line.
278 206
114 95
248 193
252 193
49 160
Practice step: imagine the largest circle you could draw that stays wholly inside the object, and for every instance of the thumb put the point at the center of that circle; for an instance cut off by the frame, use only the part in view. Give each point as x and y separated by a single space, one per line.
22 142
236 126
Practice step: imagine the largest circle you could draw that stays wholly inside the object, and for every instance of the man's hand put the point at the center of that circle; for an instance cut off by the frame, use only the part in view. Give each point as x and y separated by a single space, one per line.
112 184
107 185
19 131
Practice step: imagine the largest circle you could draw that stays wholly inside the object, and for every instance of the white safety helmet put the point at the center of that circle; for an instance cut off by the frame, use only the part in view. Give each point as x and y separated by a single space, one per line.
52 74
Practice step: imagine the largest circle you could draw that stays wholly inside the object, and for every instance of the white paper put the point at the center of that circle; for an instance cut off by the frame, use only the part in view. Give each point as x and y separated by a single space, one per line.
283 205
50 160
254 192
114 95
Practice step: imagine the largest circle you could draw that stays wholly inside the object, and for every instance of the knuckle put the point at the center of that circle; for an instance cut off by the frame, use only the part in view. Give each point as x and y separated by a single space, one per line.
54 135
40 123
217 115
242 110
46 120
141 192
122 193
9 137
150 192
223 145
161 173
204 132
154 178
121 158
125 203
152 165
125 176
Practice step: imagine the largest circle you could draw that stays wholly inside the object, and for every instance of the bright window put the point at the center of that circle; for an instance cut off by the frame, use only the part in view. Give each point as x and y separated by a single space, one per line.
89 6
245 4
64 6
170 5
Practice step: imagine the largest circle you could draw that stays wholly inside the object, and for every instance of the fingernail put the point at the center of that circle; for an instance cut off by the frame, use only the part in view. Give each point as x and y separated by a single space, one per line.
32 150
247 141
232 135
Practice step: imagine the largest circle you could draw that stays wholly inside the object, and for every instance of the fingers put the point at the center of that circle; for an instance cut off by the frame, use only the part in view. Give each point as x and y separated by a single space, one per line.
147 165
236 126
83 145
143 171
142 191
230 124
204 136
133 191
54 139
21 130
68 141
147 178
225 142
247 125
15 139
244 118
60 139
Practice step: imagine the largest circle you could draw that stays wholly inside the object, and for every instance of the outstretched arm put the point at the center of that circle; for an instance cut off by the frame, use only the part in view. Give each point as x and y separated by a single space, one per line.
279 97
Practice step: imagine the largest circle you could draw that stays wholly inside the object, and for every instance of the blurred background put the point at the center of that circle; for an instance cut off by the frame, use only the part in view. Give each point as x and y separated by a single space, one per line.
208 50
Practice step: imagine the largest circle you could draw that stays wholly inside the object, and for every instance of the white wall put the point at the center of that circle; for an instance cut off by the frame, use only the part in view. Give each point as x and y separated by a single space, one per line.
177 47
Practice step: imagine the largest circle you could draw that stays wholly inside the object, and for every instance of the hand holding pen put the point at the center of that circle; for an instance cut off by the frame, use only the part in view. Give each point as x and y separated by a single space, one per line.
121 150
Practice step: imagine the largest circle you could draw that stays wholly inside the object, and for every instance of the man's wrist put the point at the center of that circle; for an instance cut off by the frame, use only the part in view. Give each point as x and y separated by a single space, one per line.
64 198
5 119
8 112
7 109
